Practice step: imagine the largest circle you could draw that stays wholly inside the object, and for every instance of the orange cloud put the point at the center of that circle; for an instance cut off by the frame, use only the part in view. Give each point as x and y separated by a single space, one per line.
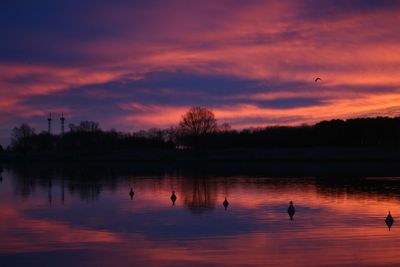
258 41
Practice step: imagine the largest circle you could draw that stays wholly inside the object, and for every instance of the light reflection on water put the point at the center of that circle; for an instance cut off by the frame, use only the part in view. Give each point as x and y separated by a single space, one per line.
90 219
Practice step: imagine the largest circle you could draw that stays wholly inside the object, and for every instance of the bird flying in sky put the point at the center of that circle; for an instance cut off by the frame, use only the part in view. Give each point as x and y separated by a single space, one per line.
318 79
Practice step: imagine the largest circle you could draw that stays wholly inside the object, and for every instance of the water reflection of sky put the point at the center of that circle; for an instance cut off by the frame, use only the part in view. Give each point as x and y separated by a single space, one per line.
64 221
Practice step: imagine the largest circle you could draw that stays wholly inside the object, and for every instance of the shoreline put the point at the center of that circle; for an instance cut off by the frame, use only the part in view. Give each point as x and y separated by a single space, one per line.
305 154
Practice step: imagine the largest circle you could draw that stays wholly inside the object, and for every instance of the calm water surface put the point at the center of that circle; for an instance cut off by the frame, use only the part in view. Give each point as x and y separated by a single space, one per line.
89 219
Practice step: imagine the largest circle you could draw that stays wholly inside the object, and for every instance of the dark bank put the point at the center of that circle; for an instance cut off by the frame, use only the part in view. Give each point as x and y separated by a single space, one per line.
198 137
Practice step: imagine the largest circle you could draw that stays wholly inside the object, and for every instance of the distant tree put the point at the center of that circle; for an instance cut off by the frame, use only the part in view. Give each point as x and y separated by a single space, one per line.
85 126
225 127
20 137
155 133
1 148
198 121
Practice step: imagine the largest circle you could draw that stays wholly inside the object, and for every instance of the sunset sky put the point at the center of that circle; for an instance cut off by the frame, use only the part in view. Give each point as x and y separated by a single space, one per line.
134 65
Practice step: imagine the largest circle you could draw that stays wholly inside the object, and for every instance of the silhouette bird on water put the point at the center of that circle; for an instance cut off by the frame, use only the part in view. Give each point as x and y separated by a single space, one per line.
291 210
131 193
318 79
389 220
225 203
173 197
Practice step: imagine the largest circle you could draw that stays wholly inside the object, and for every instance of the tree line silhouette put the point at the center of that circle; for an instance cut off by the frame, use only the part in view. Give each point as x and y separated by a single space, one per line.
199 130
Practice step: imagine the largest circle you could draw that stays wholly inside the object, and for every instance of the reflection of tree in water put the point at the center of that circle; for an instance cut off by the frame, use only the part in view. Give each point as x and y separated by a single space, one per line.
198 189
358 186
88 190
87 183
199 194
22 183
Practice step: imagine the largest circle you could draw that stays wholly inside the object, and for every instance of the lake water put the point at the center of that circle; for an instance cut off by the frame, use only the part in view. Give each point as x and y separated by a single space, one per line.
77 217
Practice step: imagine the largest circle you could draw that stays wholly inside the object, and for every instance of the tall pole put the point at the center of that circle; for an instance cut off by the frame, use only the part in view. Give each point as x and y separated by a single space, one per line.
49 124
62 119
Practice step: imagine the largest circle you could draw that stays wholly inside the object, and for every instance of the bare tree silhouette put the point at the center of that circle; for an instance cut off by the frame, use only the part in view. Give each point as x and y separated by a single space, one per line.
198 121
85 126
20 137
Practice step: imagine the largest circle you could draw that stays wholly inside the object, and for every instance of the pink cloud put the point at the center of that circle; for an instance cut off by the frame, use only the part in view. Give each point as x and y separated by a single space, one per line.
259 41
